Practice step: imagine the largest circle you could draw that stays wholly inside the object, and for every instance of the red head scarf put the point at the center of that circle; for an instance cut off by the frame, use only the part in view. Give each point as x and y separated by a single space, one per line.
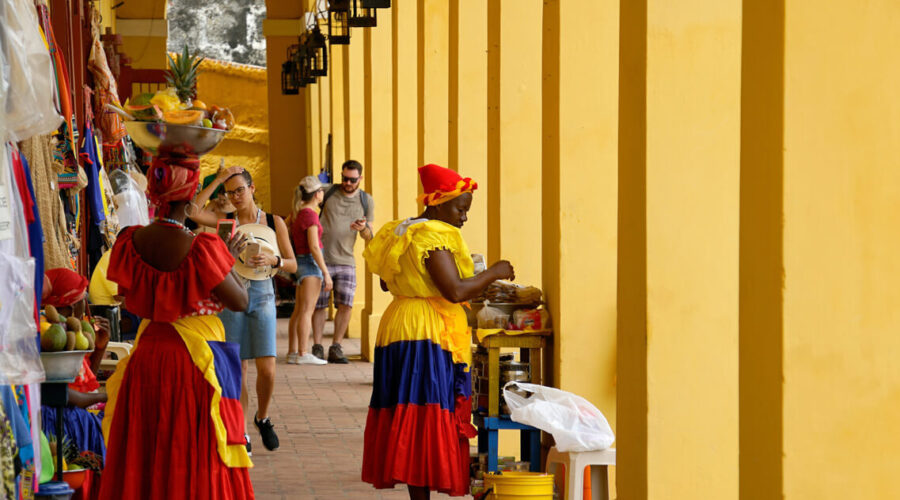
172 179
66 287
442 184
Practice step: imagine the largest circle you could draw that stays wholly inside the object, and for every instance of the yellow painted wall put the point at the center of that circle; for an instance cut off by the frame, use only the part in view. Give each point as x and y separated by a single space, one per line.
679 166
514 136
288 134
468 127
242 89
841 211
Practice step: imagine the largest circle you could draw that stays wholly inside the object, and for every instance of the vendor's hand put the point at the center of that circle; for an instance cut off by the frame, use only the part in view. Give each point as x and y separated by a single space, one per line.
236 244
328 283
358 224
101 332
263 259
503 270
228 172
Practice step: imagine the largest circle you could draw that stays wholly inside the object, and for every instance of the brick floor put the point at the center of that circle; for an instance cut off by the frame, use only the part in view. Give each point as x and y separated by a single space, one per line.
319 414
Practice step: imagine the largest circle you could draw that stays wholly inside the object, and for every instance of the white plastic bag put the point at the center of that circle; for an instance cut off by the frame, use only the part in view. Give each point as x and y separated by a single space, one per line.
30 108
492 317
576 424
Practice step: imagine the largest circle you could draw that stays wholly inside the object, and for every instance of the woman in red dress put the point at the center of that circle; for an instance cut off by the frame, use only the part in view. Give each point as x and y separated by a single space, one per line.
173 423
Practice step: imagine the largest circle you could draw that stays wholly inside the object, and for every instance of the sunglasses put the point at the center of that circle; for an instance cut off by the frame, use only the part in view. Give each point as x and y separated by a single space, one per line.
351 180
236 193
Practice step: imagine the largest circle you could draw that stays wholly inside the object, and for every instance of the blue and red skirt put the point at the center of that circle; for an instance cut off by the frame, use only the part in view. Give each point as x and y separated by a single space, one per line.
418 427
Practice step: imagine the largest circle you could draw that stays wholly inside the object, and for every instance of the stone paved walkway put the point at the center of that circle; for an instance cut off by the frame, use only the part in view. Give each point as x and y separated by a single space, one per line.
319 414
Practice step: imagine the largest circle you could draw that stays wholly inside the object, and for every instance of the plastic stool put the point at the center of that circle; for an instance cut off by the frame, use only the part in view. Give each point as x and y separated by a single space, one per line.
575 462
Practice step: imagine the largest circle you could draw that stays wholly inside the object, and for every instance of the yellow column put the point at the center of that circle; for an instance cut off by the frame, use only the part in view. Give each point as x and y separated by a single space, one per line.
339 92
406 106
354 114
841 184
288 131
379 161
313 125
514 136
678 281
433 68
468 110
580 101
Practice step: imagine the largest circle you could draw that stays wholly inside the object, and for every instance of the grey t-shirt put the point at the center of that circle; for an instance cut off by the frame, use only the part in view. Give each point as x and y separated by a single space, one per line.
340 211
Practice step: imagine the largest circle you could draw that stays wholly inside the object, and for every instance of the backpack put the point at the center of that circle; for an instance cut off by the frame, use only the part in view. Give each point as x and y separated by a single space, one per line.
363 199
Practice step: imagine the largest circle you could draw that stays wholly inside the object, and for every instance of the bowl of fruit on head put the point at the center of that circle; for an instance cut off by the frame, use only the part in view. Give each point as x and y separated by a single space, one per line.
172 120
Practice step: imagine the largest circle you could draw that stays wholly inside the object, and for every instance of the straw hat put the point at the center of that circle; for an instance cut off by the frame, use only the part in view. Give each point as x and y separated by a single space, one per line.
268 243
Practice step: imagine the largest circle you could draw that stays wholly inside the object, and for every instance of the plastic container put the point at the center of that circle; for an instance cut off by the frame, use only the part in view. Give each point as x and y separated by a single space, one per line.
62 366
75 478
54 490
519 486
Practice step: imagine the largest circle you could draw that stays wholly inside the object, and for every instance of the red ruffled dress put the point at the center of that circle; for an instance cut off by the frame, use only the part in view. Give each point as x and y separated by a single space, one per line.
173 424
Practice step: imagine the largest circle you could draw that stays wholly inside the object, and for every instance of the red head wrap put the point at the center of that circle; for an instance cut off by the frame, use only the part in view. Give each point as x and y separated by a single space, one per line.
66 287
172 179
442 184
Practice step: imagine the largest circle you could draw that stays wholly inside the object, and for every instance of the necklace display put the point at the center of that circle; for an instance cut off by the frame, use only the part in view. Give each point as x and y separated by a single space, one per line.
173 222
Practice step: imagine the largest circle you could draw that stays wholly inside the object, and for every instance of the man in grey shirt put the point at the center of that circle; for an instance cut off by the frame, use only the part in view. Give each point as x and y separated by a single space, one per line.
346 211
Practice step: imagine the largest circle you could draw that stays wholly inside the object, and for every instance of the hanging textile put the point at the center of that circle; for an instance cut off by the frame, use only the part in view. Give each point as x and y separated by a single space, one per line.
33 218
37 151
91 162
109 124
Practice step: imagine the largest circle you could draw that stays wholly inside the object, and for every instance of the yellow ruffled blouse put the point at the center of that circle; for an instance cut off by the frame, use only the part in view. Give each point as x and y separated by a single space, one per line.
397 254
419 312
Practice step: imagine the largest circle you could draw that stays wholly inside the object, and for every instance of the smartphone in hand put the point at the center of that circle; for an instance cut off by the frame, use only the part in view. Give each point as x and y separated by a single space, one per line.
252 249
225 229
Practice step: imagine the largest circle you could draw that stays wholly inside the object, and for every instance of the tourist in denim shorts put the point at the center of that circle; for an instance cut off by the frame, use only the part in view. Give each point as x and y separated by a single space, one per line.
312 274
255 328
347 211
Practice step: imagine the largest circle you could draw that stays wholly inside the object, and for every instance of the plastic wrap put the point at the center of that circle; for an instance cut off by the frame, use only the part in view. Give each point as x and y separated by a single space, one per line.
29 108
20 359
131 203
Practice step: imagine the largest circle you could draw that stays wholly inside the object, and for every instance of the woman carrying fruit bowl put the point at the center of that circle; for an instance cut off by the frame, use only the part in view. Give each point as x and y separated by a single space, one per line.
255 328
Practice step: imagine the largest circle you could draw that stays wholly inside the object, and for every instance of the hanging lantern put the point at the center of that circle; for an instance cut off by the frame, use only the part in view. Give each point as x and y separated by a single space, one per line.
339 22
306 76
290 73
317 52
362 17
377 4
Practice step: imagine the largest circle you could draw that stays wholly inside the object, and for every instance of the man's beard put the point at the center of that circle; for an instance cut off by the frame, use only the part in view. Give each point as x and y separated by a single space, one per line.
351 189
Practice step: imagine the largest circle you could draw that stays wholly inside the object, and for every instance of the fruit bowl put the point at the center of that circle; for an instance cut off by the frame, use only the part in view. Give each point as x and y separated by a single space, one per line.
62 366
157 137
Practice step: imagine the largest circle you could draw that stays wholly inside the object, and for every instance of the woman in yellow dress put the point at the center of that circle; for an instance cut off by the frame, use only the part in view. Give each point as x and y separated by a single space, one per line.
418 427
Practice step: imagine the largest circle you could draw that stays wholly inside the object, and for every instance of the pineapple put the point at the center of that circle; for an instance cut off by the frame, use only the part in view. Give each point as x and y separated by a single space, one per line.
182 74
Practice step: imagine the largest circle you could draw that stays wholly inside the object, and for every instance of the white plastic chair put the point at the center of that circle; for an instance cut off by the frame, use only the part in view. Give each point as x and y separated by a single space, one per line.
575 462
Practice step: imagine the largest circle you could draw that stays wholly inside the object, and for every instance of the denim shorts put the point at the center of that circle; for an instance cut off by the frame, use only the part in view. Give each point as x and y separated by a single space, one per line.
307 267
254 329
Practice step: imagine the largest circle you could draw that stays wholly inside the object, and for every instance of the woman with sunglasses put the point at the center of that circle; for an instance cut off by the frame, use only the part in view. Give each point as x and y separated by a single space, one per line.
255 328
